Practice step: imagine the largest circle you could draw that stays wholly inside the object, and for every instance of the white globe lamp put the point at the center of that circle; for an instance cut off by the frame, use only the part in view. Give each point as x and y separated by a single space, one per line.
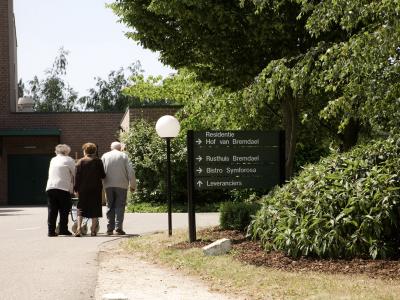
167 127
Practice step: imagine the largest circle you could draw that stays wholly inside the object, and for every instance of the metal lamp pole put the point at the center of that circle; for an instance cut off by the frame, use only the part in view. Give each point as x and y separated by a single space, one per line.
168 127
169 185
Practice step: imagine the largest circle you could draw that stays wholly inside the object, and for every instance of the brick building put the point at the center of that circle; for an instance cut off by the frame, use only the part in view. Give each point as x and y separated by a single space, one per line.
27 139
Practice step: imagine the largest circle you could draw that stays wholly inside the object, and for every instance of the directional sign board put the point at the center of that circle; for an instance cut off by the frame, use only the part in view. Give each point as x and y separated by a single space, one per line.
213 183
236 155
235 159
232 160
235 170
236 138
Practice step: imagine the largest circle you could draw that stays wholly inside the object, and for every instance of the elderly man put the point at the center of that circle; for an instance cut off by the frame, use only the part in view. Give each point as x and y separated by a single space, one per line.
119 176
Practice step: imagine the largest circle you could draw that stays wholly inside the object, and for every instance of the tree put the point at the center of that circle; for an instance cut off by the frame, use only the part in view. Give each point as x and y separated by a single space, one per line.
362 72
345 78
224 42
53 94
108 95
306 57
204 105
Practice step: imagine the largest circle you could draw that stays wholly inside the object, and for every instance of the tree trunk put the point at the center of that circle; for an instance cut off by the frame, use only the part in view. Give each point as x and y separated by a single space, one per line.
289 109
349 136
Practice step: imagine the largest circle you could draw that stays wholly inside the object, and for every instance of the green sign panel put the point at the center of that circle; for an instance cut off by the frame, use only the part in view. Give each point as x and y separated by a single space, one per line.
235 159
236 155
213 183
234 170
232 160
236 138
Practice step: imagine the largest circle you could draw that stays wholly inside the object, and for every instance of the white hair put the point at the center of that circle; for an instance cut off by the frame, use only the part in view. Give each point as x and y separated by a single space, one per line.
116 146
62 149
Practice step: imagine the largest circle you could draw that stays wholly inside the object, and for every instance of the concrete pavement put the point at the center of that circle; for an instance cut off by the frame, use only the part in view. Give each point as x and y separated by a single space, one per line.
34 266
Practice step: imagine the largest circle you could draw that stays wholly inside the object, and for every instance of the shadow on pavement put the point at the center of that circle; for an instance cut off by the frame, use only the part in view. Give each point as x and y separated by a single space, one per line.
102 235
13 215
115 236
10 212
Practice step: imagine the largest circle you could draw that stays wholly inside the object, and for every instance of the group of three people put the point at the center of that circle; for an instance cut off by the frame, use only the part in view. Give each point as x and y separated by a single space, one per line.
86 179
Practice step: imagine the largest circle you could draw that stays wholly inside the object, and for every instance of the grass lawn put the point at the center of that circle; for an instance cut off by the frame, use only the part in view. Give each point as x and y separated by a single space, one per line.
149 207
228 274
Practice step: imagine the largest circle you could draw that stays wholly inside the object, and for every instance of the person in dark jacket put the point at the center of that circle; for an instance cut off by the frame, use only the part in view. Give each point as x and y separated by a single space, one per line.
88 187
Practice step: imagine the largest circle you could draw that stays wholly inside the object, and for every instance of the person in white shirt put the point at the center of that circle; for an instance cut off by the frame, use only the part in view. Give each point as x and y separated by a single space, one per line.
60 186
120 175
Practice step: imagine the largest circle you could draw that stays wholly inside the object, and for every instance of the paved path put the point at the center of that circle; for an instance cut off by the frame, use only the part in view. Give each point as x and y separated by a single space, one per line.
34 266
132 277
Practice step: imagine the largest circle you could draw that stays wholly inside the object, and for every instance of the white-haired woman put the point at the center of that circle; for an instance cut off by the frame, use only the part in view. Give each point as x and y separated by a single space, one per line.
60 186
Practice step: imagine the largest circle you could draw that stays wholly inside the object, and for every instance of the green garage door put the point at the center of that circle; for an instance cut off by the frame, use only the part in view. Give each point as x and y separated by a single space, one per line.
27 177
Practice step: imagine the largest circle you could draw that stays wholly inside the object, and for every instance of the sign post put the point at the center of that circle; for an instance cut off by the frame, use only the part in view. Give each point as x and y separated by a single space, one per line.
190 179
232 160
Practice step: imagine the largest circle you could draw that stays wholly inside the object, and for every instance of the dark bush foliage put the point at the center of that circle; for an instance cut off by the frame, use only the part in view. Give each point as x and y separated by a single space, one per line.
344 206
237 215
147 151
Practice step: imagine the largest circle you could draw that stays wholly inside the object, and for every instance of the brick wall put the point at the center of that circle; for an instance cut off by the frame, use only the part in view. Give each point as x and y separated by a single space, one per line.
3 175
13 66
4 71
151 114
4 58
30 145
76 129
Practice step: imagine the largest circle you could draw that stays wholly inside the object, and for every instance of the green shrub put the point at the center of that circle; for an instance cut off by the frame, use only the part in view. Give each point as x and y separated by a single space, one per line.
237 215
147 152
344 206
154 207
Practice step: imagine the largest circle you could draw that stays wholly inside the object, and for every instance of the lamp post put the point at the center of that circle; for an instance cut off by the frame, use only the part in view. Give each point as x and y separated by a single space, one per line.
168 127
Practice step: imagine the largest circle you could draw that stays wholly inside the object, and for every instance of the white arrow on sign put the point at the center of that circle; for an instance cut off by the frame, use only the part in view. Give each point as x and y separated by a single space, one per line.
199 170
199 158
199 183
198 142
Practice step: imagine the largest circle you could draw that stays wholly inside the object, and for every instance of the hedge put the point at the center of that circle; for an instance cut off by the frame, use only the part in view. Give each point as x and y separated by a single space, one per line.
345 206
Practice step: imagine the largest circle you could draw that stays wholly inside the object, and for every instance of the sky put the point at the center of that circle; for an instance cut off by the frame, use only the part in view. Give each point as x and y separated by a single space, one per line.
88 30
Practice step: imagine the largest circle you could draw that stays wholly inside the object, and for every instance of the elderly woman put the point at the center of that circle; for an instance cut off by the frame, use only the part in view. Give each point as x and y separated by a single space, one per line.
89 186
59 189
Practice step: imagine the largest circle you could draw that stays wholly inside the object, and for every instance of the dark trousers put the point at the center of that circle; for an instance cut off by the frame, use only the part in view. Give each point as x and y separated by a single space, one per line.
59 201
116 202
